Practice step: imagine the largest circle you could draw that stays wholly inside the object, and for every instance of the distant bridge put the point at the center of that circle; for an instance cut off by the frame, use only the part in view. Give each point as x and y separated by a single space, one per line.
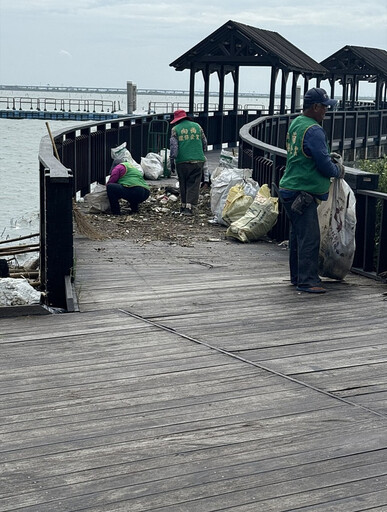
115 90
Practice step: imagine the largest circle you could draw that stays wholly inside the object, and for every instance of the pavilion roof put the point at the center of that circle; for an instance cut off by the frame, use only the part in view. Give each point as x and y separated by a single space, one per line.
235 44
369 63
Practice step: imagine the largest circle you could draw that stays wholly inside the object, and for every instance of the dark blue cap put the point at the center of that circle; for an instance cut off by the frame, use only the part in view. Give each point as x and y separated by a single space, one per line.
317 95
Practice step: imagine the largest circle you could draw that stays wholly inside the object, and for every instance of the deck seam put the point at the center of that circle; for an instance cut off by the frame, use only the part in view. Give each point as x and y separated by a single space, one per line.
252 363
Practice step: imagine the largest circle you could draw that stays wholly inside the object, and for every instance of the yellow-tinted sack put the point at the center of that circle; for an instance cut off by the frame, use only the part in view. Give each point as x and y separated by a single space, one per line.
236 205
259 218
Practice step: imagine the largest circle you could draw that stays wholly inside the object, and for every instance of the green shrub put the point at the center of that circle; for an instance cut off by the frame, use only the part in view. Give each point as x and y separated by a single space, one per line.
378 166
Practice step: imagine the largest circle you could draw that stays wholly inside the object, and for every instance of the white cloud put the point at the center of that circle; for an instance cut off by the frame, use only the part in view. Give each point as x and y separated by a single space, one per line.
65 53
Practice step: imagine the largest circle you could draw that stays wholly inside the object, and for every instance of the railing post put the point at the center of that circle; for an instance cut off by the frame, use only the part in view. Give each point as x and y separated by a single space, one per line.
381 265
58 238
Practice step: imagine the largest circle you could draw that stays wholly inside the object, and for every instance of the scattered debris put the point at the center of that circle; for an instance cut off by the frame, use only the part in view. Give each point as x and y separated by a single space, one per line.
158 219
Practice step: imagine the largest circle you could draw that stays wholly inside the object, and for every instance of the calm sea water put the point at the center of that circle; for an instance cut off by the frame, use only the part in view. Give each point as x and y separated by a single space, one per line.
19 146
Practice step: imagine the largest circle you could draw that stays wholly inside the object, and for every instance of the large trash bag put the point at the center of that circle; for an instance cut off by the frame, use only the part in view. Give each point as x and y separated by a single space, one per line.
237 204
337 219
259 218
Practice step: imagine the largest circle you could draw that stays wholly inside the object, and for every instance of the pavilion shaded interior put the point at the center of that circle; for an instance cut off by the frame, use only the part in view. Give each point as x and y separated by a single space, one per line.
235 44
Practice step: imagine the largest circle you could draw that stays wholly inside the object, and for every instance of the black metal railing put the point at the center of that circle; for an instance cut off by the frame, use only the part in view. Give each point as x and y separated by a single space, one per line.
262 149
60 104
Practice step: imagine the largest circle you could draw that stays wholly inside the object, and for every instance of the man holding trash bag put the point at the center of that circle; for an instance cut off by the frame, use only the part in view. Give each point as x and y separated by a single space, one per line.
304 184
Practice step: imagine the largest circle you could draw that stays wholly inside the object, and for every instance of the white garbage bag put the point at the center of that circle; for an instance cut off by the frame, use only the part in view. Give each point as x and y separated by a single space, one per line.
17 292
337 219
152 165
97 200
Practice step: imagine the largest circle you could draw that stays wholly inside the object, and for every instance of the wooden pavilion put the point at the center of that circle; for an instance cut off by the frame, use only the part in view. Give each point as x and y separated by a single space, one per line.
234 45
352 64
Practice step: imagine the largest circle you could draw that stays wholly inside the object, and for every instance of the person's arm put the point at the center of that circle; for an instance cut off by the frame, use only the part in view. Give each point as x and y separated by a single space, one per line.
315 146
204 139
118 171
173 149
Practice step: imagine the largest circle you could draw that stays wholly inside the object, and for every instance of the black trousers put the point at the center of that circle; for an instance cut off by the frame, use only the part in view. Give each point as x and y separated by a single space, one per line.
134 196
190 176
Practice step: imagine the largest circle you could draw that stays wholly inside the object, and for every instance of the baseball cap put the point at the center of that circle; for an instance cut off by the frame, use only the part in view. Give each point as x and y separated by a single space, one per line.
317 95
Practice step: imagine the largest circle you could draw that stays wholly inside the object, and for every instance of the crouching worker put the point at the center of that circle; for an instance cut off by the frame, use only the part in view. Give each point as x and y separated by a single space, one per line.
126 182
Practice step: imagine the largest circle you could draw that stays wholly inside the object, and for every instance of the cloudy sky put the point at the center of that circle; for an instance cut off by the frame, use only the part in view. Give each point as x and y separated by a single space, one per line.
105 43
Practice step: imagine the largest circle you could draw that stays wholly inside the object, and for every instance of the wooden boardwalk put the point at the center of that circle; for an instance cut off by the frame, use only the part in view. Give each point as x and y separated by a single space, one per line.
196 379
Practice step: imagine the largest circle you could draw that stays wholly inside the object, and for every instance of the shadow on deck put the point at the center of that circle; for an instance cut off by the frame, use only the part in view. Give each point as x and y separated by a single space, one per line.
196 379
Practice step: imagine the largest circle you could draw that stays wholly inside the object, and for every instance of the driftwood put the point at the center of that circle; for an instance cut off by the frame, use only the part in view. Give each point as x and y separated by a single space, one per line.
19 249
27 274
17 239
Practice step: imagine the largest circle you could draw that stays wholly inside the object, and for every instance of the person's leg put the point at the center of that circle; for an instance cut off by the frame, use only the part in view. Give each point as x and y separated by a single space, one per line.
114 192
194 176
308 243
135 196
293 248
181 174
304 245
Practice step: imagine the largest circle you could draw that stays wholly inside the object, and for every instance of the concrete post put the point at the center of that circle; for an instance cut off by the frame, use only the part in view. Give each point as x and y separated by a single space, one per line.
131 97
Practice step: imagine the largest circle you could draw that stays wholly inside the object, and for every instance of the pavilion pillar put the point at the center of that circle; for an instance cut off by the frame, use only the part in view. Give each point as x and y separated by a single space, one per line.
191 107
378 93
344 96
206 76
294 92
306 84
357 88
353 92
274 74
235 75
285 75
221 88
332 84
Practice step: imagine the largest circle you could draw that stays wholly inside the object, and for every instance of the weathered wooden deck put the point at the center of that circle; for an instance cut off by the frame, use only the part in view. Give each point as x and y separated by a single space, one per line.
196 379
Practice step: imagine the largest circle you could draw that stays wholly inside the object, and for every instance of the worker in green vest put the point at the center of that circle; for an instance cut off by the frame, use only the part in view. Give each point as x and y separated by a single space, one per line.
187 145
309 169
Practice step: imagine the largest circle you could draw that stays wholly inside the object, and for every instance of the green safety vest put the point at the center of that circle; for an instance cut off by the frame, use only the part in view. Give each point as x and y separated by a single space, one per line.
301 172
189 137
132 177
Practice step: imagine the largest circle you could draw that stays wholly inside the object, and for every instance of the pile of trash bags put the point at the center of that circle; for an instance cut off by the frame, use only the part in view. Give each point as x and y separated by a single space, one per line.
237 201
152 166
